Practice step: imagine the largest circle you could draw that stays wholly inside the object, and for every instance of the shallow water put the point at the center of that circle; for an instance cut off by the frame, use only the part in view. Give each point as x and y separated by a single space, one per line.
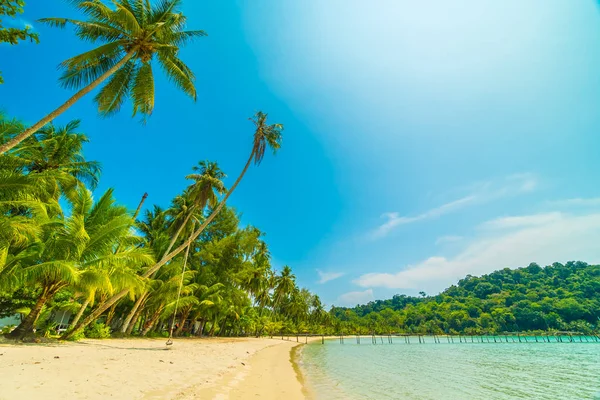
462 371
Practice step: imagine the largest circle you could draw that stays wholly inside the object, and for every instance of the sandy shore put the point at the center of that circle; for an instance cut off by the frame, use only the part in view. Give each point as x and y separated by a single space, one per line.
144 369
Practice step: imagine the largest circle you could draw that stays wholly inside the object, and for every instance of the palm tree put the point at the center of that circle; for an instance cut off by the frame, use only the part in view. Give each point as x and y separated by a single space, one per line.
207 186
265 135
131 34
57 152
284 285
86 240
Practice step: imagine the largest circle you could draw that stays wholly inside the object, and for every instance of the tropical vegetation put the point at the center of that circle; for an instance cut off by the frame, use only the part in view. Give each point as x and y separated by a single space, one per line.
187 269
553 298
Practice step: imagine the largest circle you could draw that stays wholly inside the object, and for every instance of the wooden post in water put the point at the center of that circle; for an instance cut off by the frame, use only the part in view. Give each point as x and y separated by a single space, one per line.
306 339
322 339
357 339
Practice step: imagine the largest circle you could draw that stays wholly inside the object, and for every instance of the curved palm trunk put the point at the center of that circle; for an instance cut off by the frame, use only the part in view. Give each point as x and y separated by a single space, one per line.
26 326
111 315
80 312
151 322
178 233
133 312
95 314
48 118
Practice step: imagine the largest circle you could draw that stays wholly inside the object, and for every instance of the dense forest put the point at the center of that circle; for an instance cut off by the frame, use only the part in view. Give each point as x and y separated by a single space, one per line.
190 266
556 297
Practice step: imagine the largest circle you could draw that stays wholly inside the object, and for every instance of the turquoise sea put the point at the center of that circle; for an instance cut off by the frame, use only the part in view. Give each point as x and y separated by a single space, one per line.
461 371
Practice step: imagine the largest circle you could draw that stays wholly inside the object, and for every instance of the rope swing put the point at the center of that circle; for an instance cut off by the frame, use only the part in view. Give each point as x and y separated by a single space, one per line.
187 252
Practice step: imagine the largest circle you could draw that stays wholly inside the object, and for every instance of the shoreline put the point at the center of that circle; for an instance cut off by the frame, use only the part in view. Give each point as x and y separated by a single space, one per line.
216 368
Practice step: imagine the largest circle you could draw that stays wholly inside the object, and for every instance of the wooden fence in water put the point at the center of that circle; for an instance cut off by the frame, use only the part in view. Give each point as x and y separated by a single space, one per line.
505 337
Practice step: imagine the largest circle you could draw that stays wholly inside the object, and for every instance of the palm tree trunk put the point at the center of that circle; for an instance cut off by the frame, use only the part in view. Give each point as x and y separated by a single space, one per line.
184 316
222 330
133 311
26 326
111 314
201 327
134 320
48 118
94 315
179 230
212 329
150 324
80 312
139 207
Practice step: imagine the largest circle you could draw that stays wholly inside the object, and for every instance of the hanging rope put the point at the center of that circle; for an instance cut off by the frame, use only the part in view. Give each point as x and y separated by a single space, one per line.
187 252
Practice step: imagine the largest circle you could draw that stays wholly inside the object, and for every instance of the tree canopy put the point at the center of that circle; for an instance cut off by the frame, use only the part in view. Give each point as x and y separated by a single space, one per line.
555 297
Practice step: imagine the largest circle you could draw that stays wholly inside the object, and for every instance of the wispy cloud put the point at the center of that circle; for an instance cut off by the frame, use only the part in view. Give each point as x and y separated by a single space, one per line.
542 238
521 221
351 299
578 202
479 193
328 276
448 239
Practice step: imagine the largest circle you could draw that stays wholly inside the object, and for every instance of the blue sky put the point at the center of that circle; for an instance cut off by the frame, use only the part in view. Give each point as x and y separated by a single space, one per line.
423 142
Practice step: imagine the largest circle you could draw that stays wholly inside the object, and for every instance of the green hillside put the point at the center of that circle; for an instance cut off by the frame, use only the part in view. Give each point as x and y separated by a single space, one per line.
556 297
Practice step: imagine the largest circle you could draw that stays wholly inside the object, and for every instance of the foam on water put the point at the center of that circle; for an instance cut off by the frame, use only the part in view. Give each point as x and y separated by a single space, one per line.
462 371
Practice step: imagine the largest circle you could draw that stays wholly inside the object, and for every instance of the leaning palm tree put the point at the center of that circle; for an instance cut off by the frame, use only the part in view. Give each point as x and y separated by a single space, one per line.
265 135
132 34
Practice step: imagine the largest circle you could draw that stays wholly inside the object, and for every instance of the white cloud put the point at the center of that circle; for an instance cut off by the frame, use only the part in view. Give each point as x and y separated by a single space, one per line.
351 299
482 192
448 239
328 276
521 221
544 239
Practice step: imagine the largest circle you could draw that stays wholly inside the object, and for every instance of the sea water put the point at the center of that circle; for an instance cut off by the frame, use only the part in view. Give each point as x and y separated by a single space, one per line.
461 371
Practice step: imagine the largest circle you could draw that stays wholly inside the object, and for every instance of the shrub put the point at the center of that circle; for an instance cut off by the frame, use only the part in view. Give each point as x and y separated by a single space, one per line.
97 330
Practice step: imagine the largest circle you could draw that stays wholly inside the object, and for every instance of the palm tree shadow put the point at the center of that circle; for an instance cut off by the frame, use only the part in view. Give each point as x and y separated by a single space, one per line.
122 347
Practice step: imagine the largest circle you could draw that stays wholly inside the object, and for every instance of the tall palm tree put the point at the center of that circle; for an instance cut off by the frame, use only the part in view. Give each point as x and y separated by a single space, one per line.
205 191
285 284
265 135
132 34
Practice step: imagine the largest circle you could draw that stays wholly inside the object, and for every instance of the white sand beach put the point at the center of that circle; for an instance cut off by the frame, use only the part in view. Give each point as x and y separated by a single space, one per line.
146 369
